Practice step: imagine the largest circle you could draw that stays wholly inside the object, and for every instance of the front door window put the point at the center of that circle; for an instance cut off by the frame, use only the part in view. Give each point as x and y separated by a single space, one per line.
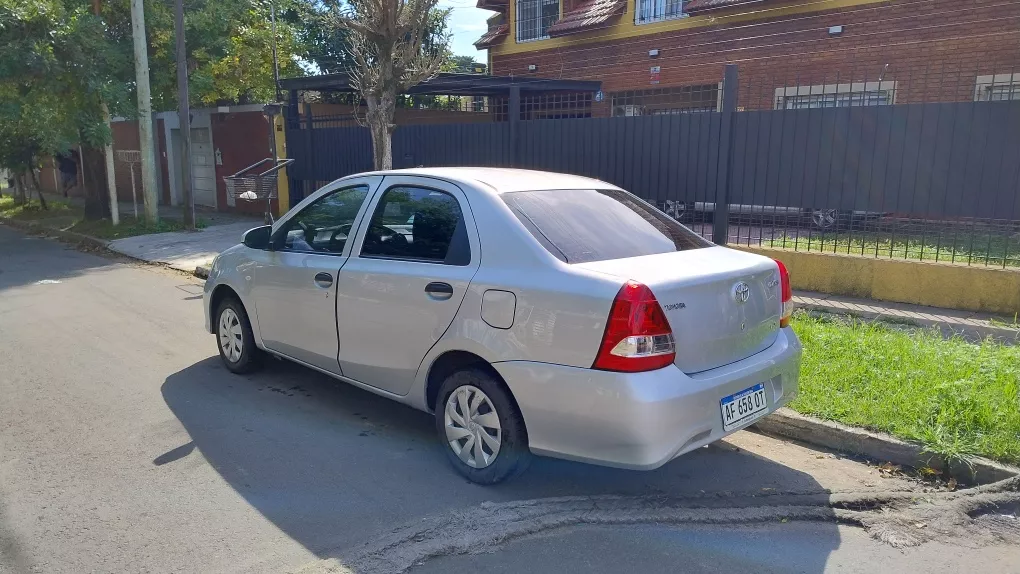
323 226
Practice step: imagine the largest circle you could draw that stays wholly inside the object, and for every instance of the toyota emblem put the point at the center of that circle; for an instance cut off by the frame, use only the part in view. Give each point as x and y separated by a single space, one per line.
741 292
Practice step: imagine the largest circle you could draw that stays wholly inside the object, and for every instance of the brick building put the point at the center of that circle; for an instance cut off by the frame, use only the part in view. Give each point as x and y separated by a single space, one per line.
667 56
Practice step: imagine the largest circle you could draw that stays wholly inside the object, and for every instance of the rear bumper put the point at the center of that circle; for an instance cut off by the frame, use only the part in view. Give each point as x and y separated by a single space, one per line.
640 420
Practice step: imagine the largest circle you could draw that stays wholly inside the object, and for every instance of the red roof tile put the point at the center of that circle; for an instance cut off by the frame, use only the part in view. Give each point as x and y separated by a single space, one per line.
587 15
694 6
489 38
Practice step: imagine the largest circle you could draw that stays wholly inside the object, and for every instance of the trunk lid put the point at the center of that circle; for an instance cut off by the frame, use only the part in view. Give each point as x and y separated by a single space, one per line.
715 321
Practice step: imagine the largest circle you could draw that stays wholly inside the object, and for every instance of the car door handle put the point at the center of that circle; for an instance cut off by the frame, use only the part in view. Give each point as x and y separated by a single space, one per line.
323 279
439 291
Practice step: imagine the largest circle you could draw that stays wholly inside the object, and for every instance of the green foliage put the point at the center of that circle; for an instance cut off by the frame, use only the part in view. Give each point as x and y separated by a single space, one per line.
463 65
955 397
327 42
129 227
56 68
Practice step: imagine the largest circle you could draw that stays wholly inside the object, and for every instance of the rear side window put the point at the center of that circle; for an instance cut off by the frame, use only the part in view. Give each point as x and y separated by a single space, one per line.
418 224
582 225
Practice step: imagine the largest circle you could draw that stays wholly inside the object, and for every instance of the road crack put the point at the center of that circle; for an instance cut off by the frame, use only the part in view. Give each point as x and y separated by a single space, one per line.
898 518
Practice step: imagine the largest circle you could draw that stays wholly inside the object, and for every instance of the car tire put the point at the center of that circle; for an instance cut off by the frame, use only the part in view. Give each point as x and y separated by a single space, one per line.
827 219
235 339
512 456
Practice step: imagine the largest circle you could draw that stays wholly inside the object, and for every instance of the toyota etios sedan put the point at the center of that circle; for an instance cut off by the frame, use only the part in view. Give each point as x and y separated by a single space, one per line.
533 313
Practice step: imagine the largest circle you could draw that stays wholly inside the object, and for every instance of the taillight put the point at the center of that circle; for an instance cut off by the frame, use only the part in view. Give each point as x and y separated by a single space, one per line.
787 294
638 336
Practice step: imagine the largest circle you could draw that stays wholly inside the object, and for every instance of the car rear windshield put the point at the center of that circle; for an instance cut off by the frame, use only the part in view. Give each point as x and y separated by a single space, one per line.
582 225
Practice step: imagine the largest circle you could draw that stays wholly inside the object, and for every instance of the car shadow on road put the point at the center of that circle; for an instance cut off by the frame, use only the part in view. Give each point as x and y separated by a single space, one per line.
335 467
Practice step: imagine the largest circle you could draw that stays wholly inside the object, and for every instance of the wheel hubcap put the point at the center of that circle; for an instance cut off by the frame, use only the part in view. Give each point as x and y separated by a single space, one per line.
231 340
825 218
472 427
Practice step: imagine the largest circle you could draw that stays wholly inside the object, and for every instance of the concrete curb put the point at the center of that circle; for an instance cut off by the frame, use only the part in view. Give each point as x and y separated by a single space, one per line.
968 331
72 236
880 447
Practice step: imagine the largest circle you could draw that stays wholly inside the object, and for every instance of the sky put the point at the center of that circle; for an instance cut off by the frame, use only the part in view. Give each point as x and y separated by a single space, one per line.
467 24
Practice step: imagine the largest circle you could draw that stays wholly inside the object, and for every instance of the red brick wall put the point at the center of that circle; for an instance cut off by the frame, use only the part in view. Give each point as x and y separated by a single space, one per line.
49 176
934 50
242 139
125 137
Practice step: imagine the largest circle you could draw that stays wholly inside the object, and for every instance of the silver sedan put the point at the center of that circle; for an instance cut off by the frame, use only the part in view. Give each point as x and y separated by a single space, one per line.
533 313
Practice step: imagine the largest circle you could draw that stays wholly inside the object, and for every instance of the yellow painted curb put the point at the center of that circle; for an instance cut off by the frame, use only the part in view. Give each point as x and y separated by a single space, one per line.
921 283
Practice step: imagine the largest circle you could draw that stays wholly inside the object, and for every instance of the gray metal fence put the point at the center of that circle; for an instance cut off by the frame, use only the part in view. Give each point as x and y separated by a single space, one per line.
933 181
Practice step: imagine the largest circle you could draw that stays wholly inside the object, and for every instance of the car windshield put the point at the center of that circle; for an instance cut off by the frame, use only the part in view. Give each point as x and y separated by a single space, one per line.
582 225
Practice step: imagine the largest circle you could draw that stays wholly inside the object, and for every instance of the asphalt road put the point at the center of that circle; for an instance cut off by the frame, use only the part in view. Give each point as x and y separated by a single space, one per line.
126 447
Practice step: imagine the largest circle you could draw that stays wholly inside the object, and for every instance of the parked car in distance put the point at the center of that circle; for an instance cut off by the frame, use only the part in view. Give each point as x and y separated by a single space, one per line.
824 219
530 312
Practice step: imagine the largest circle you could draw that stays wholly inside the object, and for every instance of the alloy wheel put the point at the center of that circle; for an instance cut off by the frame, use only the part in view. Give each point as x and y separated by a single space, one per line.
472 426
231 338
824 218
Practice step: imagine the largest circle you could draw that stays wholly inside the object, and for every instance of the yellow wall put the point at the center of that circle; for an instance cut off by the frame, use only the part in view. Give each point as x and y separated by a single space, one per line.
282 183
624 26
935 284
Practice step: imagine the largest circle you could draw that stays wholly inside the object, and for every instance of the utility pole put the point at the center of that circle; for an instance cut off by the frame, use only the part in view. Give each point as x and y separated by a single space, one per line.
144 111
184 115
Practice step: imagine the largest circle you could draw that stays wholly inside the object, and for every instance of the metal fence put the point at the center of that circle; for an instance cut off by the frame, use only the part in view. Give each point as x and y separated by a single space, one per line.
840 165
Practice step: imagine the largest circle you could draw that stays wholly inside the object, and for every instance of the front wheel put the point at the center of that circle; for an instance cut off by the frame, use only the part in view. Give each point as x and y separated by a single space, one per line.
235 338
480 427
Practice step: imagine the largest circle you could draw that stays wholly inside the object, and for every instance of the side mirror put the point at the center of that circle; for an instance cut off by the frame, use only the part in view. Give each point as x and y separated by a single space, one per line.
259 237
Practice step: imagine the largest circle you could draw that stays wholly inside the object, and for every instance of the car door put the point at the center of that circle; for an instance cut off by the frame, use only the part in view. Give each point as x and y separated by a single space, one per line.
400 292
295 282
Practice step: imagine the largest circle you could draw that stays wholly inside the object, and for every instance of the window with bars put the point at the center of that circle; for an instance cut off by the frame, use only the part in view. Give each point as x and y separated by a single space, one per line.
836 95
657 10
674 100
998 88
534 18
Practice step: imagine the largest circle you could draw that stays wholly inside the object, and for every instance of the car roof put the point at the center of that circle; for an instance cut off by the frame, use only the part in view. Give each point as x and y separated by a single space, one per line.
503 180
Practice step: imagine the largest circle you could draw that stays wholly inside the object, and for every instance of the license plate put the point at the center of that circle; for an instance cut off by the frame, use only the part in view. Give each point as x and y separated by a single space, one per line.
741 408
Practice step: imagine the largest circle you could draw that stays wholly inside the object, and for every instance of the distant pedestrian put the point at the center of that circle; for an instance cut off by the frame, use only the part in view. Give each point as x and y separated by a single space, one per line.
68 165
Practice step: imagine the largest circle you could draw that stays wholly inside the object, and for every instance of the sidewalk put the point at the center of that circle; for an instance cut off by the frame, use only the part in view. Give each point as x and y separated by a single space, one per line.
968 324
184 250
181 250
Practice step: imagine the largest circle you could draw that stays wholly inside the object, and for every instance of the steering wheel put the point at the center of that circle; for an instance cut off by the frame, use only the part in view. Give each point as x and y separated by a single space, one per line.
379 234
309 232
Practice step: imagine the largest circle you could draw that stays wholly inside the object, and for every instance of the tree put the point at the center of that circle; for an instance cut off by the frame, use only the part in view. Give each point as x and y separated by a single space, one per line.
390 52
56 68
463 65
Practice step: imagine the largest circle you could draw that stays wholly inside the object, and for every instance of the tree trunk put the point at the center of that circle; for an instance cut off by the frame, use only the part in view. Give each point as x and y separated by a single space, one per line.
380 123
38 189
94 180
19 189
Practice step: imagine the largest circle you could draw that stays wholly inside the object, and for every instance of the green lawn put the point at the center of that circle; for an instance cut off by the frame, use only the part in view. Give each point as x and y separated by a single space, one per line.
995 248
955 397
33 211
67 217
129 227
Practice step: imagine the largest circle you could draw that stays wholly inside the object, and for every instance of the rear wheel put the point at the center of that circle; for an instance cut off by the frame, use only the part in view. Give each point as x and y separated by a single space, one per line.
235 339
825 218
480 427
